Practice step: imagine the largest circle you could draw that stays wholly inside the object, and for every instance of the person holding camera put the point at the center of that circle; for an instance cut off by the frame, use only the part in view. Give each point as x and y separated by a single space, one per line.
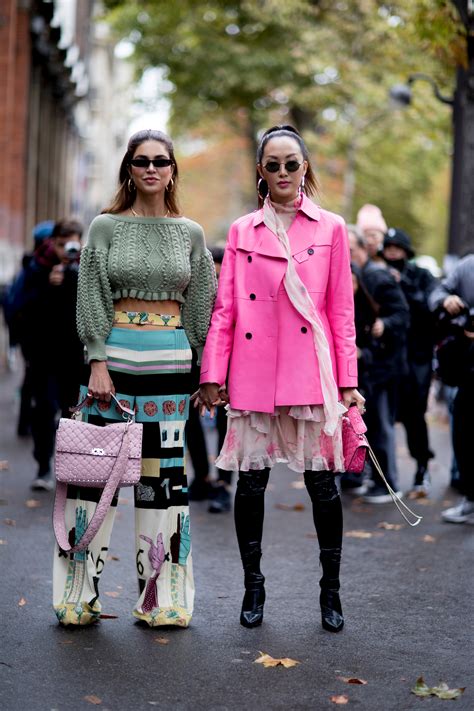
50 344
454 296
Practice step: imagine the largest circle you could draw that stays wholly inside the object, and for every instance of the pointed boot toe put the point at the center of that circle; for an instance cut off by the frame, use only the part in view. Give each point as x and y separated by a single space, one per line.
252 608
332 619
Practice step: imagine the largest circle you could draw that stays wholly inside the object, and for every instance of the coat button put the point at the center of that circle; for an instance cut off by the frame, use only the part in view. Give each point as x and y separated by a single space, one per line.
304 329
310 250
249 259
248 336
252 297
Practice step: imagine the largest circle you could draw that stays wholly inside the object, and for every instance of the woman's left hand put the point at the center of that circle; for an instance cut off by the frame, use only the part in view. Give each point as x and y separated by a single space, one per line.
351 396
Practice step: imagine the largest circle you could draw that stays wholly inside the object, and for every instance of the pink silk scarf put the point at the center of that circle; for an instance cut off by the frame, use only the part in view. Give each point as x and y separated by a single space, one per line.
301 300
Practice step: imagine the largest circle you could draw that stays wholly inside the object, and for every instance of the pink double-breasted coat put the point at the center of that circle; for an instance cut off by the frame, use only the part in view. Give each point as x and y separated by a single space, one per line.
257 341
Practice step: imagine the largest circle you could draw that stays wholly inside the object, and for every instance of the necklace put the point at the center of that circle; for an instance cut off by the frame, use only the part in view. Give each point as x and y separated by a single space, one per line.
135 214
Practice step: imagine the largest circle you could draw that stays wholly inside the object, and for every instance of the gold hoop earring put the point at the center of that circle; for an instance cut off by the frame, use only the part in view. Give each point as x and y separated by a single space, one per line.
130 185
171 183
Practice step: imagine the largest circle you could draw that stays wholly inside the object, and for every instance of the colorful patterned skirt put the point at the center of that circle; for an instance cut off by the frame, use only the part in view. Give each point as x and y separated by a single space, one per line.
151 374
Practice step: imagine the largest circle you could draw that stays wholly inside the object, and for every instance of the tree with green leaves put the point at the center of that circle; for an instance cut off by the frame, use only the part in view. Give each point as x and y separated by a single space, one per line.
323 66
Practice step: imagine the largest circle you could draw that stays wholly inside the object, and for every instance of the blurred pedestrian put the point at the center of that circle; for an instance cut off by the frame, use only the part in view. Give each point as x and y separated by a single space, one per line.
52 350
13 306
145 274
365 311
388 349
283 326
372 225
454 297
413 390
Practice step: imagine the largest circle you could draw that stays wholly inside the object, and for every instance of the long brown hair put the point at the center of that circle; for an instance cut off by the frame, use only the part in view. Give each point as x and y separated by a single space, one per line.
311 186
127 192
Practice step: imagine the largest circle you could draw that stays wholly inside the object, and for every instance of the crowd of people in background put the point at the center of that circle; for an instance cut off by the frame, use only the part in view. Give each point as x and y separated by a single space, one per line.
409 323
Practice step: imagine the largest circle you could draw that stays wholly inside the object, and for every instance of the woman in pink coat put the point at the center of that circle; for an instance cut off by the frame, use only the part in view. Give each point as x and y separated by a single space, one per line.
282 337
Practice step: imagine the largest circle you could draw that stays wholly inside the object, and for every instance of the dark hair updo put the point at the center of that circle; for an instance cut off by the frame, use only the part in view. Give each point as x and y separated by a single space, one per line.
126 193
310 183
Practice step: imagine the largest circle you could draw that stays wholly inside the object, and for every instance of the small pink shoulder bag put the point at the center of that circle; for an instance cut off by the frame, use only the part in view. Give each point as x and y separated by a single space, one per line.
92 456
355 447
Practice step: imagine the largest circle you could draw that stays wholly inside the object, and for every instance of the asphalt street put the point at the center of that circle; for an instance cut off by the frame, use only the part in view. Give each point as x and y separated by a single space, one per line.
406 594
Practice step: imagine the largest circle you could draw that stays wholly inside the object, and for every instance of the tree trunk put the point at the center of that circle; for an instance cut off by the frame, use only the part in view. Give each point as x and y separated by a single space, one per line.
461 224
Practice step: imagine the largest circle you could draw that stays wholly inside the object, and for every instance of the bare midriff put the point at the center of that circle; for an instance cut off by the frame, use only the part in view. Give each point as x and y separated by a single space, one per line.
164 308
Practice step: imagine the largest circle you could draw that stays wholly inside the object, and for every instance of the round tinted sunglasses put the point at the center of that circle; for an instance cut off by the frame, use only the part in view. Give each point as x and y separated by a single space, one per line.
145 162
291 166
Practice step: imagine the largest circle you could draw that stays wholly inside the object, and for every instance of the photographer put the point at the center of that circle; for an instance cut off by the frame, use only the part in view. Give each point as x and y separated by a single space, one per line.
455 297
51 347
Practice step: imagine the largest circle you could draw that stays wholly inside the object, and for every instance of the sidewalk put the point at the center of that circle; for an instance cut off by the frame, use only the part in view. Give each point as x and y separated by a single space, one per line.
406 595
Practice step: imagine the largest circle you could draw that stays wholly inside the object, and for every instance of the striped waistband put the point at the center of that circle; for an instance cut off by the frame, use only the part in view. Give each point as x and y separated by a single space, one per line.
145 318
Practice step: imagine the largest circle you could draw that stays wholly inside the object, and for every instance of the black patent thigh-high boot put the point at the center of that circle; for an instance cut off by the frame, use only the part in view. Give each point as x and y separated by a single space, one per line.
248 513
327 515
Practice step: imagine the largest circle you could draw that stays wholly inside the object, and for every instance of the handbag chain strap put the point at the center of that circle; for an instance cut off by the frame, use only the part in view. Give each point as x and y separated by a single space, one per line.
395 498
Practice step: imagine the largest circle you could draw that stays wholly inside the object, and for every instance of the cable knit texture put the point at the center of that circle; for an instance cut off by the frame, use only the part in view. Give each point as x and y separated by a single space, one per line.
153 259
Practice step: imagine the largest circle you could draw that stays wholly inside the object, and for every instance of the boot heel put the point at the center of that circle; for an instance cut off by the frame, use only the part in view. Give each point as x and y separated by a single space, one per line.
332 619
252 607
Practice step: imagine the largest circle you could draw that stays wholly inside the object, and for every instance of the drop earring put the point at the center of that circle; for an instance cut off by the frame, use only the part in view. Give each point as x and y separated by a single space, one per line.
301 188
130 185
262 188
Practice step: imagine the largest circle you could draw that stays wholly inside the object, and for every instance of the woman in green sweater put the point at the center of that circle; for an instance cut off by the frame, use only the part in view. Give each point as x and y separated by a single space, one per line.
146 292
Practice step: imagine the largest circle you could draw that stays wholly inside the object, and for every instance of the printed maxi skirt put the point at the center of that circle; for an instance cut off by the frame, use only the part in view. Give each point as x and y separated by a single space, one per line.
151 374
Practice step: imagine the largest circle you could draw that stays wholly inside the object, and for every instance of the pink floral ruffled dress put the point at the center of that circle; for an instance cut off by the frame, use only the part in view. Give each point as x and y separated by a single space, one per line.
305 437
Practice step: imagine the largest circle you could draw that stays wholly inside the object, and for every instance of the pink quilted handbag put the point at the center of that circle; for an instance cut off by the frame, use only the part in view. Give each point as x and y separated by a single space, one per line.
355 446
354 441
92 456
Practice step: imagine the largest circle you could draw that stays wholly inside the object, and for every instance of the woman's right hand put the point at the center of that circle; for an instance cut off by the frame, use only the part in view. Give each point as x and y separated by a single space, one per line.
100 383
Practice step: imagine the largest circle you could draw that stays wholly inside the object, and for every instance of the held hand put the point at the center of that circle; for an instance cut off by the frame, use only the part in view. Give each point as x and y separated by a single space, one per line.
453 305
56 275
351 396
209 396
469 334
100 382
378 328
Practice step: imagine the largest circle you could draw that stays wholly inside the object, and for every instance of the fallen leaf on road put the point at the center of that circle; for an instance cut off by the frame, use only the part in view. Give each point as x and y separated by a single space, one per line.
418 495
428 539
123 502
21 602
112 593
66 641
105 616
358 534
442 691
390 526
298 485
3 542
162 640
352 680
422 570
32 503
339 699
311 535
269 661
93 699
290 507
113 557
9 522
3 465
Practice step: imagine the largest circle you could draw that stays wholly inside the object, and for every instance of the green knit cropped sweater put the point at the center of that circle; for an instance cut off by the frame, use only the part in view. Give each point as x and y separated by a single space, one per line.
149 258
